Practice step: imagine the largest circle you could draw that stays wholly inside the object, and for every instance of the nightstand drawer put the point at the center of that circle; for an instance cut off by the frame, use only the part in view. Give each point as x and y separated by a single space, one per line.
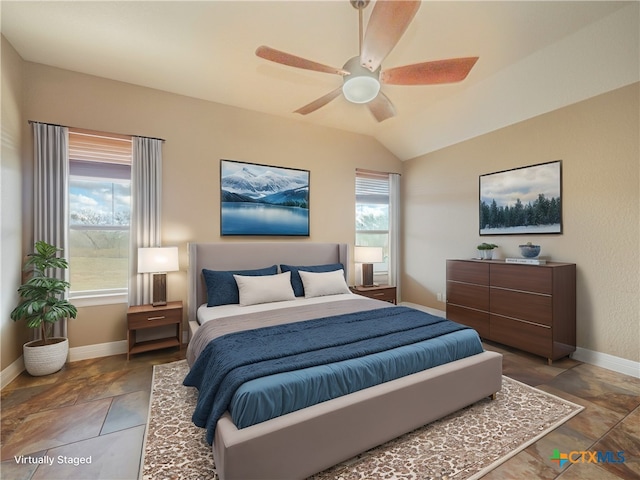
386 293
154 319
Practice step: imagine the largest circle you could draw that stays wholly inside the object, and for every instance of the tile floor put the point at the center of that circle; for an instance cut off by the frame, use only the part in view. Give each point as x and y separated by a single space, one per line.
96 410
92 409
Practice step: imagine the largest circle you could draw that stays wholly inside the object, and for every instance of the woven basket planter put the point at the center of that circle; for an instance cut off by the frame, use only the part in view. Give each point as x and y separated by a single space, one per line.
45 359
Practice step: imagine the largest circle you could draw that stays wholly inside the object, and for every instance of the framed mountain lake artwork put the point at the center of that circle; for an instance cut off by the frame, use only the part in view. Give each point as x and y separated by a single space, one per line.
525 200
263 200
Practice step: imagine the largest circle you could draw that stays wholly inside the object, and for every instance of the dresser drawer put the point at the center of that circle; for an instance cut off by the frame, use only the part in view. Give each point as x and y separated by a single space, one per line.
528 278
468 272
468 295
531 338
524 306
475 319
154 319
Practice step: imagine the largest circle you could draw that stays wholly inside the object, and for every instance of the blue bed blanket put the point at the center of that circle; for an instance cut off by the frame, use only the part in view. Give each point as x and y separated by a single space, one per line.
233 359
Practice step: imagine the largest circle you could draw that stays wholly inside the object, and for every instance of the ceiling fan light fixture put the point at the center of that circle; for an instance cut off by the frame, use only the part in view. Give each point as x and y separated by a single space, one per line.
362 85
360 89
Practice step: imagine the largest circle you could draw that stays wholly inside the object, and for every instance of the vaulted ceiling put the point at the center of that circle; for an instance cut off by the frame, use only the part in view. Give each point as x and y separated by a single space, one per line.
534 57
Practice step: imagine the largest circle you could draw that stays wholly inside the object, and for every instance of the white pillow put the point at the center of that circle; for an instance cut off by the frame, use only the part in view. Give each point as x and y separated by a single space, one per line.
264 288
319 284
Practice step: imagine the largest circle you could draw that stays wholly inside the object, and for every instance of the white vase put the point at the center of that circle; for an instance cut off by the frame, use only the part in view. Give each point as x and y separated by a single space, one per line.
45 359
487 254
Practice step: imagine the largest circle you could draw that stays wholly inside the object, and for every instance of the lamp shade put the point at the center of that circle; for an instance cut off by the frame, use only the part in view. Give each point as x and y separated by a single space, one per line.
367 254
157 259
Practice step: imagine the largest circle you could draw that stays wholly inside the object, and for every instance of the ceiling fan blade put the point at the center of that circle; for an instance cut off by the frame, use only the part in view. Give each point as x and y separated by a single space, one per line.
381 107
320 102
284 58
388 22
429 73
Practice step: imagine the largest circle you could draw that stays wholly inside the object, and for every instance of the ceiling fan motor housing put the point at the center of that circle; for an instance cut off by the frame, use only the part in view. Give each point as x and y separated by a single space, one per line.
362 85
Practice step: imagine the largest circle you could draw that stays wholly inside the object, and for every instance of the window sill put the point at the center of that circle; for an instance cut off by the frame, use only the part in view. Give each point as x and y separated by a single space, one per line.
96 300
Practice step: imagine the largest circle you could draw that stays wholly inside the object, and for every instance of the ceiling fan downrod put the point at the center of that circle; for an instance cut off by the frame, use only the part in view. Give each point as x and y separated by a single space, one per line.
359 5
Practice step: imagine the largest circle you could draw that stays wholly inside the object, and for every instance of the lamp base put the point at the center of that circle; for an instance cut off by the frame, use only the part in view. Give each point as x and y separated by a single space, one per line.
367 275
159 289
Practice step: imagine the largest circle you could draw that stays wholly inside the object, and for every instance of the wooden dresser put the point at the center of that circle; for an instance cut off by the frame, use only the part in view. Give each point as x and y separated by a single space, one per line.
530 307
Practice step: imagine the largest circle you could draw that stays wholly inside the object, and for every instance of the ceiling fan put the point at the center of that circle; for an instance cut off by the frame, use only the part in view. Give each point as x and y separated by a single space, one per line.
362 75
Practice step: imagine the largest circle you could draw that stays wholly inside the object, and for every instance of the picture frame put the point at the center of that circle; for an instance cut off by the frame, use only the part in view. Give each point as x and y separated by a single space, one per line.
523 200
257 199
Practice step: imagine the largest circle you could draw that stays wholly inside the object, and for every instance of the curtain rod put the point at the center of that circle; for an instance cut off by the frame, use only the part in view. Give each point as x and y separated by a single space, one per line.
114 133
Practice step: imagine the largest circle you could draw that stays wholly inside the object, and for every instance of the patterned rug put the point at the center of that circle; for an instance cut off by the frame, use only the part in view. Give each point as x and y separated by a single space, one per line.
464 445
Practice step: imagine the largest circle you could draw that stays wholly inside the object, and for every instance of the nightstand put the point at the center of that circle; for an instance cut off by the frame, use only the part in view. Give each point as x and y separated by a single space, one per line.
147 316
379 292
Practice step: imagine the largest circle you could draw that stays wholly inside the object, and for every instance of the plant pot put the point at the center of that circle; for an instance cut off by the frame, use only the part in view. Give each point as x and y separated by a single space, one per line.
486 254
45 359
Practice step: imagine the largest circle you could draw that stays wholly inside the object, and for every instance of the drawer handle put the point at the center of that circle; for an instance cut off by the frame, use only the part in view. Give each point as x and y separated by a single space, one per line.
155 318
378 294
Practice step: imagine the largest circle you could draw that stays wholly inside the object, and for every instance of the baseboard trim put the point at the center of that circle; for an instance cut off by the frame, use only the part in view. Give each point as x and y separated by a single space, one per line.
97 350
610 362
86 352
9 374
432 311
105 349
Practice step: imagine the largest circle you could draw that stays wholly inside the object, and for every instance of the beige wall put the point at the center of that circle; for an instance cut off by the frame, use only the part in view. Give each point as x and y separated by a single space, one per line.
198 134
12 335
597 141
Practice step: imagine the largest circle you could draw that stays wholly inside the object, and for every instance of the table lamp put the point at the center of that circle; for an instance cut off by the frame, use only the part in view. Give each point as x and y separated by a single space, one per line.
158 261
367 256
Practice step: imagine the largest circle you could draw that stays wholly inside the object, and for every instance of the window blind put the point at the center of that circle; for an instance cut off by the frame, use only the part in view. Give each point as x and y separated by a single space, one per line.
99 147
372 188
99 155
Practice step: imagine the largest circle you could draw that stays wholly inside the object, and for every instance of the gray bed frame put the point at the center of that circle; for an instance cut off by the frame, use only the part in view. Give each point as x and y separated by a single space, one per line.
310 440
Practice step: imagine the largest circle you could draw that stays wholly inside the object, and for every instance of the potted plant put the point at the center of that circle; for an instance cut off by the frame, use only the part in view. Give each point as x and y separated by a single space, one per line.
42 305
486 250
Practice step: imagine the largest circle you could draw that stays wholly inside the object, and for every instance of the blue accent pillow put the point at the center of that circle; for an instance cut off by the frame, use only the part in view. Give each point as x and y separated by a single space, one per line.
296 281
222 288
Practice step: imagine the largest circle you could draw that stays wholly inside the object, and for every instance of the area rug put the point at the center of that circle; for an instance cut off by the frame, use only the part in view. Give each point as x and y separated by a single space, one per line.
464 445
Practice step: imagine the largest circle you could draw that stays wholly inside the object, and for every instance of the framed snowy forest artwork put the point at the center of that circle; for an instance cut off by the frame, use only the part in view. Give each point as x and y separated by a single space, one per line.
524 200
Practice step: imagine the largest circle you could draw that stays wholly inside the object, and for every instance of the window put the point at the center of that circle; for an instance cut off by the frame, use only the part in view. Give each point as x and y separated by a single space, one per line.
99 212
372 217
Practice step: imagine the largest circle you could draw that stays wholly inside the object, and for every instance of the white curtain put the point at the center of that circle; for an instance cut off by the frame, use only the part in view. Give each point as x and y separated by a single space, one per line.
394 232
146 197
50 201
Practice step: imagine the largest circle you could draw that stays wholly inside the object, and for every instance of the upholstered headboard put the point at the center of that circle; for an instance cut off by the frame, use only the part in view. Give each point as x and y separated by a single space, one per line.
251 255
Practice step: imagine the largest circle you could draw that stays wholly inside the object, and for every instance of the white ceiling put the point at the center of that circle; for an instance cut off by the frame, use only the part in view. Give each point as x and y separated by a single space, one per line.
534 57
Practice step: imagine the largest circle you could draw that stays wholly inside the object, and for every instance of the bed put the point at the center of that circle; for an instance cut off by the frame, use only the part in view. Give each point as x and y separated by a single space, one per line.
310 439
